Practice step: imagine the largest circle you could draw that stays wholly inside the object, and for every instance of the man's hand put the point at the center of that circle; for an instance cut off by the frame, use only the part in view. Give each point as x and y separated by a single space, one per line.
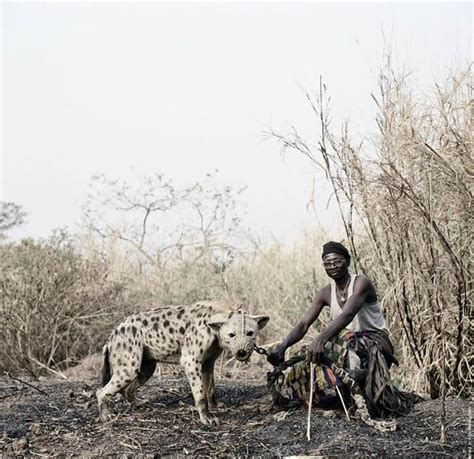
276 355
315 352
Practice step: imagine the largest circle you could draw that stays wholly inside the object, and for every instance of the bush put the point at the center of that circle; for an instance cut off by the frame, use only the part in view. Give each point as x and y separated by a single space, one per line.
55 307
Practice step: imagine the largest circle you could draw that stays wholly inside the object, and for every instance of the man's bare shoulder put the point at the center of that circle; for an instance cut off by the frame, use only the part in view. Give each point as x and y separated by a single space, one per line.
363 280
364 284
324 295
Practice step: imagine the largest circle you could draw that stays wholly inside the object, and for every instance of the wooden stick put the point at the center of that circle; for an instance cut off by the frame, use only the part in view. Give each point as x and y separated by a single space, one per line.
342 401
24 382
311 389
42 365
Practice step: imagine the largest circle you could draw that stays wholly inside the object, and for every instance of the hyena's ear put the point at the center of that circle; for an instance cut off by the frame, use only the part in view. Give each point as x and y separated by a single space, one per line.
261 321
215 324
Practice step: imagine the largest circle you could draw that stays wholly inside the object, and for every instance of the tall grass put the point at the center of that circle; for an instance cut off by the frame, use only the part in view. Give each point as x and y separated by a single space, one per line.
405 197
61 299
269 278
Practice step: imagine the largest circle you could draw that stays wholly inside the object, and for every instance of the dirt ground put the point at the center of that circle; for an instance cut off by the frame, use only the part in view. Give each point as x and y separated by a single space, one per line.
62 420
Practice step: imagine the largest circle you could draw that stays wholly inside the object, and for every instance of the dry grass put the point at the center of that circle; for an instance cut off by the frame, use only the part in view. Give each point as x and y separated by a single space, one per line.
405 197
58 305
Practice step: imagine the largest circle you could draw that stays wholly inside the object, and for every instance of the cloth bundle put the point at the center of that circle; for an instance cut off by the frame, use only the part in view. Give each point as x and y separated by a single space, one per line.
289 383
367 352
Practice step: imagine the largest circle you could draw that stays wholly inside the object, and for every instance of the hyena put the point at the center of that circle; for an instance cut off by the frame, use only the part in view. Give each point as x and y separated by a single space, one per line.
193 336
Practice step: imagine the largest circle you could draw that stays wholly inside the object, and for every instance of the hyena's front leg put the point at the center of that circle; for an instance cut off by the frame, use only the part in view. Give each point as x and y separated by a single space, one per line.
193 370
209 385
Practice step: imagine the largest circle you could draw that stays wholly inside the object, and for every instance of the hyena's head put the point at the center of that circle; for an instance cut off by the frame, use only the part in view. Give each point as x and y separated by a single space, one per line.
238 332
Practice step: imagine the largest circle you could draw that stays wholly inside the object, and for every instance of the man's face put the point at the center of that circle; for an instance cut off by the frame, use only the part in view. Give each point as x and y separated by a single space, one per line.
335 265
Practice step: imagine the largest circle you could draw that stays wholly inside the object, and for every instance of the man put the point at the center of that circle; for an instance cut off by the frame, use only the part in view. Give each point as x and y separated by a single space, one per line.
354 305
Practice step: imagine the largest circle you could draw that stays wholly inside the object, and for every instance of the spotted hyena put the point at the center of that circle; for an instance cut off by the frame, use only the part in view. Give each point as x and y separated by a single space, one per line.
193 336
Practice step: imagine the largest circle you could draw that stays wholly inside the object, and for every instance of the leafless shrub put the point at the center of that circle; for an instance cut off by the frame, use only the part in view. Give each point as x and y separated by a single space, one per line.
54 305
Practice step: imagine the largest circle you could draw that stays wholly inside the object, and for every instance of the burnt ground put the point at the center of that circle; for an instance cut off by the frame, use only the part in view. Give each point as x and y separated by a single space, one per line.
63 421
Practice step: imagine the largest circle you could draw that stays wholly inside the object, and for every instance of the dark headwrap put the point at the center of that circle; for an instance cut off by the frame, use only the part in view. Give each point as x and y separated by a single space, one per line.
336 247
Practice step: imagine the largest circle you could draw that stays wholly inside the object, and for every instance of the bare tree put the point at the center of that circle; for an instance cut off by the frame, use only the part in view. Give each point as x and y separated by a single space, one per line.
11 215
162 221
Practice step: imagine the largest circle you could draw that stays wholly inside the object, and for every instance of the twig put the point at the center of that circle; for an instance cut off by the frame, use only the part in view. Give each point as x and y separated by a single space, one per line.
267 448
40 455
128 446
199 448
24 382
42 365
137 444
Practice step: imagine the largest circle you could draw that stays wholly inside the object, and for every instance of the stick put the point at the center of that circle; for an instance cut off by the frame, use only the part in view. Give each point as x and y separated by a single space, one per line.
311 382
342 401
24 382
42 365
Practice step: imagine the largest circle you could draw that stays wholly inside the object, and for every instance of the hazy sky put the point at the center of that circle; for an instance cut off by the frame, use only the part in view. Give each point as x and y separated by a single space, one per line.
183 89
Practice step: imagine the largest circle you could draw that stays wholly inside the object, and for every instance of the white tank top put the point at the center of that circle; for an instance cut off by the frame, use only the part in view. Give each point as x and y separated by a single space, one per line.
370 316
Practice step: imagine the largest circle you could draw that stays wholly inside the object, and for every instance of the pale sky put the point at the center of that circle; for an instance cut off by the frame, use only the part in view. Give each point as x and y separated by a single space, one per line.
184 89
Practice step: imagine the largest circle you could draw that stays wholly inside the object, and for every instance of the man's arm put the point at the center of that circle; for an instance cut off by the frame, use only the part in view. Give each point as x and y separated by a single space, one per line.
353 305
277 355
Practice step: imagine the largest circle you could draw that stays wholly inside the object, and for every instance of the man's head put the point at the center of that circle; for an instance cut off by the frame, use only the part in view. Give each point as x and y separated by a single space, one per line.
336 259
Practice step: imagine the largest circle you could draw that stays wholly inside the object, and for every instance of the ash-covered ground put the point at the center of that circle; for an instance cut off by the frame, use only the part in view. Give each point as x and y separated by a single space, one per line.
62 419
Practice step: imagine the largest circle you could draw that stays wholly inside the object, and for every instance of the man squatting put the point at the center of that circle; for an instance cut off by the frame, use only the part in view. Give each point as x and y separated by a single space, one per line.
353 303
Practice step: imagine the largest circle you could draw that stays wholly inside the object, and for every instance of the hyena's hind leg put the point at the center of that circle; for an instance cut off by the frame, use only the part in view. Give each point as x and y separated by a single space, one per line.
117 377
147 368
118 383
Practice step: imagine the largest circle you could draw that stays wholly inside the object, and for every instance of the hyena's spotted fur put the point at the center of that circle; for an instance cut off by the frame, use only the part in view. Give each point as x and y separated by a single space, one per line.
193 336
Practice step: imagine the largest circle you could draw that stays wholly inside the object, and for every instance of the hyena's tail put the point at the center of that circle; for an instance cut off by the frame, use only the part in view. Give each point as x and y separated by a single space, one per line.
106 367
